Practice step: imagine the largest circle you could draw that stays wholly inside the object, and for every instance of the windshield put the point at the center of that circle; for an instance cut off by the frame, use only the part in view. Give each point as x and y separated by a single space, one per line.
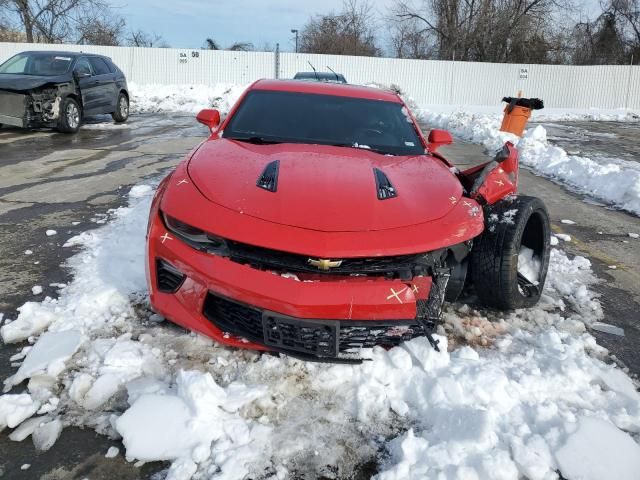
39 63
289 117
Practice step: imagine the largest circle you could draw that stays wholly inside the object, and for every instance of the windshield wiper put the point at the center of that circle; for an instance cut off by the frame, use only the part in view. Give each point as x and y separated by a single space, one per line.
363 147
256 140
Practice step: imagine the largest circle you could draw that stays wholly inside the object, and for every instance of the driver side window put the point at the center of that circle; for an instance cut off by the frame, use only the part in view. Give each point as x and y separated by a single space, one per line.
83 67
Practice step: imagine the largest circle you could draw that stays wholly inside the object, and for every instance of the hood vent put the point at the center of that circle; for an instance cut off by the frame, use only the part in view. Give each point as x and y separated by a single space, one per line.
269 178
383 185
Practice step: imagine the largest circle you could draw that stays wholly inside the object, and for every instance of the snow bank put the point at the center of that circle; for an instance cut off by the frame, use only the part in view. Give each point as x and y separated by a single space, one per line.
547 114
503 412
183 98
614 181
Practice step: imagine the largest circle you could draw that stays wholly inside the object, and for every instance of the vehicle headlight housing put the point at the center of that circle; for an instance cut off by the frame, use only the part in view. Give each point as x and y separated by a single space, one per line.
192 235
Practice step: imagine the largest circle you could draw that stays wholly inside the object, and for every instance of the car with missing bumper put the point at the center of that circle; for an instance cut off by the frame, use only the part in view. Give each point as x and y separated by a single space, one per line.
318 221
58 89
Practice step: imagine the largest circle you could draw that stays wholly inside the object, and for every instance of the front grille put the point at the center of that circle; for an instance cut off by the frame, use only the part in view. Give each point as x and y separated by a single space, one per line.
398 266
234 318
169 278
315 338
403 267
311 337
378 334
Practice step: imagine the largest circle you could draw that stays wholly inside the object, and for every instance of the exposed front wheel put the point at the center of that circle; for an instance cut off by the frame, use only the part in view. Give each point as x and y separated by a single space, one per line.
509 261
70 116
122 109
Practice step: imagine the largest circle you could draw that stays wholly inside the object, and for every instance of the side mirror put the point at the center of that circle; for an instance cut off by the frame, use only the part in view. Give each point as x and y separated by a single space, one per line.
437 138
209 117
80 75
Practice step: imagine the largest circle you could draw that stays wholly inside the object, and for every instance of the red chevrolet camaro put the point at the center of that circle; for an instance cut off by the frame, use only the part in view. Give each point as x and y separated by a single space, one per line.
317 220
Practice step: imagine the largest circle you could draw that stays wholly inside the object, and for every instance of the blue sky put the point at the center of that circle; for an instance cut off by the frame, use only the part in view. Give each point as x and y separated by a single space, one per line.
187 23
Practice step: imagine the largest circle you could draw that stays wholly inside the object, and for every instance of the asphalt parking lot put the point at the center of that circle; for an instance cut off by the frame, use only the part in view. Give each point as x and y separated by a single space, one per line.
50 181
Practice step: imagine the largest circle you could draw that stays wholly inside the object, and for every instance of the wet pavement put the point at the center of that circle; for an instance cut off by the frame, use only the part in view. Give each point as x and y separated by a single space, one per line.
600 141
69 182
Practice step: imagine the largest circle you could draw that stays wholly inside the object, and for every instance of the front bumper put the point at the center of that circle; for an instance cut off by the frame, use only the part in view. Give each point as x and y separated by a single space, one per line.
13 121
13 109
235 304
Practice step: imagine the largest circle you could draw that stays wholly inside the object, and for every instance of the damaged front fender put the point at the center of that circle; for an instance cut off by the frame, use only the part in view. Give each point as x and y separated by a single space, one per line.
496 179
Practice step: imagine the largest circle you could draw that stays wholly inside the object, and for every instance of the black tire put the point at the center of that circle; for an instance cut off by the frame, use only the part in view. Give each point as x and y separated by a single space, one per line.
122 109
70 116
509 225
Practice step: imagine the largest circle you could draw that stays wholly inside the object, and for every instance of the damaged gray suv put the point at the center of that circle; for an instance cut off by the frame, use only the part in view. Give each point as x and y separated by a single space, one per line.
58 89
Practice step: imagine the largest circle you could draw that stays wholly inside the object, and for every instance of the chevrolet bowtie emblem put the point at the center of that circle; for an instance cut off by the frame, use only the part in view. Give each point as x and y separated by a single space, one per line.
324 263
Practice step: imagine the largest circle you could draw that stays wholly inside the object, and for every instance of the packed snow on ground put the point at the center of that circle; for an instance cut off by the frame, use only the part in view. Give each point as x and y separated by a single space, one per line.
507 399
611 180
588 453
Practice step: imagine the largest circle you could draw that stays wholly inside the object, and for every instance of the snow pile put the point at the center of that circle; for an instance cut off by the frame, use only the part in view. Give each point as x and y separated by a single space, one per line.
48 356
198 414
614 181
548 114
503 412
589 453
585 114
183 98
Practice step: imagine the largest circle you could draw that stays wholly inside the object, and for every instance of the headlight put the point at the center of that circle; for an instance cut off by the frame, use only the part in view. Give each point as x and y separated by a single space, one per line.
192 235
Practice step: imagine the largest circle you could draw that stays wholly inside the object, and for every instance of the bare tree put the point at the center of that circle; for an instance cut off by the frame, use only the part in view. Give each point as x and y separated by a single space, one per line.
609 38
241 46
350 32
409 39
485 30
140 38
51 20
211 44
100 28
627 13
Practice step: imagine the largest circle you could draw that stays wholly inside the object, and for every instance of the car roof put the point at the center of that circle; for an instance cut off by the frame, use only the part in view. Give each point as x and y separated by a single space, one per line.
317 74
66 53
322 88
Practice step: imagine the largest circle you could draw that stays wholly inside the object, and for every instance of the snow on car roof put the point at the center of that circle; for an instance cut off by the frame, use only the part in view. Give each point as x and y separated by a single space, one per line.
338 89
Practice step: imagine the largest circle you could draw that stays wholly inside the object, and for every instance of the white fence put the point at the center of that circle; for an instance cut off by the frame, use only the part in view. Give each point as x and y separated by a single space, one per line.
429 82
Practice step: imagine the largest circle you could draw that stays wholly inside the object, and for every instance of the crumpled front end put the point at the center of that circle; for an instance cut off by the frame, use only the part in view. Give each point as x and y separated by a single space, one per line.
308 306
39 108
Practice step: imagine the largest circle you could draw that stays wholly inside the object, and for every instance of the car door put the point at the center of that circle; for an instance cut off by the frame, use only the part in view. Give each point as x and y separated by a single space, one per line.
88 85
106 85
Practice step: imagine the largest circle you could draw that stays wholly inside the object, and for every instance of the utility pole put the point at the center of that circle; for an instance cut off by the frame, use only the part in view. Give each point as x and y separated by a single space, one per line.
276 62
295 31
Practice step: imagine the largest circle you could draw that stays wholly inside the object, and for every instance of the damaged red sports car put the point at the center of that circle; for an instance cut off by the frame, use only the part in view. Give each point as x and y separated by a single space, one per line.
317 220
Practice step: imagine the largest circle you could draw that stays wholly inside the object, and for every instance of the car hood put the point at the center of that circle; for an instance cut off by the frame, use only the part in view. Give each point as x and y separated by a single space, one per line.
19 83
322 187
